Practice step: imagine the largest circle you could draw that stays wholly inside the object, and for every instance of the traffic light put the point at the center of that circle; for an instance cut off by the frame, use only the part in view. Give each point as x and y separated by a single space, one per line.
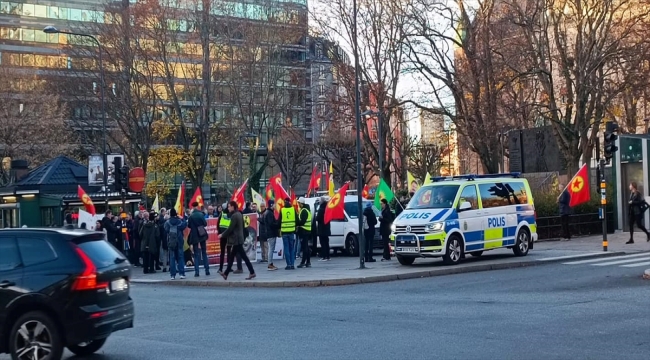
611 131
117 166
124 177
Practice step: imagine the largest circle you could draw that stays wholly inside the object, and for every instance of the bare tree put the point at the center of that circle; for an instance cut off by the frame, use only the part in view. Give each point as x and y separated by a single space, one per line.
425 159
32 122
338 148
293 155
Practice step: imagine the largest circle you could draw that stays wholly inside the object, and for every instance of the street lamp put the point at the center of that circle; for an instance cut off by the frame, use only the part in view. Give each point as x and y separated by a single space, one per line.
53 30
357 112
245 136
380 138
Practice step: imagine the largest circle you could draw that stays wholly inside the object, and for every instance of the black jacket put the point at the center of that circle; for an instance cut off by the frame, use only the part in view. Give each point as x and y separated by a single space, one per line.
323 229
371 218
111 230
386 221
636 200
270 224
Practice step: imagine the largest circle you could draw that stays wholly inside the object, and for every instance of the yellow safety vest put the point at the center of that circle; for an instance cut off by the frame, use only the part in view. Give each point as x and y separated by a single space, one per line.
224 222
288 220
307 225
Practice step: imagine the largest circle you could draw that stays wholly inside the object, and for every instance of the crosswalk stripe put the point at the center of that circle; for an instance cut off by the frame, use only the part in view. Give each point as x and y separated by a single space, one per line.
568 257
647 263
623 261
605 259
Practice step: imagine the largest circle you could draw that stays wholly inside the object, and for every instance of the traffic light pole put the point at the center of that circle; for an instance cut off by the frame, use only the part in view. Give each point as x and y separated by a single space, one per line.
603 202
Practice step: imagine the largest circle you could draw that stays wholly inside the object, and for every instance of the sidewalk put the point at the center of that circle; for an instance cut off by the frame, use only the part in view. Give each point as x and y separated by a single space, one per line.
344 270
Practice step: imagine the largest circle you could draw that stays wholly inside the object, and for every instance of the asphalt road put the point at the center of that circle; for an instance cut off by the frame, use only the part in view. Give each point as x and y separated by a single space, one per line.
545 312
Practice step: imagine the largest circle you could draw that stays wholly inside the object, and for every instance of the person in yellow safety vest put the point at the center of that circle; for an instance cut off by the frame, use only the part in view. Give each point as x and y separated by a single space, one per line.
288 223
224 222
304 233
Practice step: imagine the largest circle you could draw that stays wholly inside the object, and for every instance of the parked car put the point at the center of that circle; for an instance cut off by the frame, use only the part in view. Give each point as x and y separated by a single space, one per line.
60 288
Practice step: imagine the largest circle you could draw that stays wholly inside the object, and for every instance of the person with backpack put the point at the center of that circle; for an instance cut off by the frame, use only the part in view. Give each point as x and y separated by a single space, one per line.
174 229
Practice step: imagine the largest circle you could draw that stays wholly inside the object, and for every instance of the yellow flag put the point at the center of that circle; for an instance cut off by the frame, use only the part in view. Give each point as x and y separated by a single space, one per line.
427 180
156 205
257 198
180 200
413 184
331 181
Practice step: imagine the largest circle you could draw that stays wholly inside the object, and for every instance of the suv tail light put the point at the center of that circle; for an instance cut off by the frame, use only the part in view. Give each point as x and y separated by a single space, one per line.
88 278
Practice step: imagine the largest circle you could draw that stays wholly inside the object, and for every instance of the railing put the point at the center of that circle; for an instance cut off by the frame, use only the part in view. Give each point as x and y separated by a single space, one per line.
581 224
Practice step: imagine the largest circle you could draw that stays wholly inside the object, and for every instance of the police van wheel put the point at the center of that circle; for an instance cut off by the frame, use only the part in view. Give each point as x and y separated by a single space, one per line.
352 245
476 253
454 250
405 260
522 244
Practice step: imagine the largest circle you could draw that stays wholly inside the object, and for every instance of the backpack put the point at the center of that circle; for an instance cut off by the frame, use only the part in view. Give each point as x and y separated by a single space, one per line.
172 237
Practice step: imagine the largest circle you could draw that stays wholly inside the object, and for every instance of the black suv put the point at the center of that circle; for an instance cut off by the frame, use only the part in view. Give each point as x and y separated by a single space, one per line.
60 288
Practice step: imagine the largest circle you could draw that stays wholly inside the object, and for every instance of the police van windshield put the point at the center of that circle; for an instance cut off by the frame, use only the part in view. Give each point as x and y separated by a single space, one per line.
434 197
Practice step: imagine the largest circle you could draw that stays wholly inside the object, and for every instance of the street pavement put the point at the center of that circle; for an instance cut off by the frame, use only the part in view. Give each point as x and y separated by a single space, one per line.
547 312
343 270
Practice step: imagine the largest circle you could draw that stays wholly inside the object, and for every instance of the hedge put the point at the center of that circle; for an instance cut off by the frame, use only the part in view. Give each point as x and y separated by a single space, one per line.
546 203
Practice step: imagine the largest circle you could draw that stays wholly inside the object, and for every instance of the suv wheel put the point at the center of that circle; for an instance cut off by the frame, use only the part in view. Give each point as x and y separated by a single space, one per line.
405 260
352 245
522 244
454 250
35 336
88 348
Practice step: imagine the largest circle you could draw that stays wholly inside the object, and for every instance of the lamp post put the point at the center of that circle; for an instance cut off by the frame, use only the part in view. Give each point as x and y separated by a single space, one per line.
53 30
380 142
245 136
357 111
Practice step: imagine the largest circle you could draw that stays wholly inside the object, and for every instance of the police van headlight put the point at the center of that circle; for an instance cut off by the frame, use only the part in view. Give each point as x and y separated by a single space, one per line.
435 227
393 228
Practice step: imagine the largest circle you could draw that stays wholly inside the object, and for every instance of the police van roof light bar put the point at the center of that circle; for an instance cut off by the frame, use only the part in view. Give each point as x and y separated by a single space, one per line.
471 177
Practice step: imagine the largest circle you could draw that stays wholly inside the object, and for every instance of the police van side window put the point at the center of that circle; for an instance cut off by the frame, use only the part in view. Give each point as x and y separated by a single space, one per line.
503 194
469 195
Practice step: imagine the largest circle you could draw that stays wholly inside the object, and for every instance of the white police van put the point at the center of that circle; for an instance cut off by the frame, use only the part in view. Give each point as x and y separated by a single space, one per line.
453 216
345 232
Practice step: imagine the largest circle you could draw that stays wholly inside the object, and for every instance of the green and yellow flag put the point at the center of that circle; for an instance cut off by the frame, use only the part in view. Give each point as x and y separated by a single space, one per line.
427 180
383 192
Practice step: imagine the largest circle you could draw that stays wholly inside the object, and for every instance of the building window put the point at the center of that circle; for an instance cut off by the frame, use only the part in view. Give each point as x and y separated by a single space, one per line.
319 52
321 90
321 72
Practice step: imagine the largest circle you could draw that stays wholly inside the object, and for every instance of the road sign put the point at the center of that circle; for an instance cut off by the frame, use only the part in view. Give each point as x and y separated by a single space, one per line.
136 180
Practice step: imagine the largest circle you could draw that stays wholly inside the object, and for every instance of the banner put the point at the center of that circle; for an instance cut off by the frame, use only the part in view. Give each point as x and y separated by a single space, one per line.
89 220
277 253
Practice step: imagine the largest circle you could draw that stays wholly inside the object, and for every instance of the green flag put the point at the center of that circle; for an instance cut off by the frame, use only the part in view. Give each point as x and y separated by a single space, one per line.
383 192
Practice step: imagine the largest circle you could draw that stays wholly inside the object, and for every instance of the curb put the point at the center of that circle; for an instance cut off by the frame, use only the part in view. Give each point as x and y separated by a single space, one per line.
370 279
646 274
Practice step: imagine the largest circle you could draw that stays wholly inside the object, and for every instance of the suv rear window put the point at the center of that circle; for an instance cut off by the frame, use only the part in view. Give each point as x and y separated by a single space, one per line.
99 251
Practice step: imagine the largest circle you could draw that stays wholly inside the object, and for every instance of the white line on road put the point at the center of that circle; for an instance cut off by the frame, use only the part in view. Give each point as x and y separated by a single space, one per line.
569 256
623 261
601 259
637 264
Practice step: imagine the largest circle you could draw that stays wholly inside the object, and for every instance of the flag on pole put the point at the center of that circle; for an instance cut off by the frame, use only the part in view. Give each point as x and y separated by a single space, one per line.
257 198
383 192
427 180
294 200
413 184
180 200
314 181
280 193
197 198
579 188
335 209
268 193
238 196
331 180
85 199
366 192
156 205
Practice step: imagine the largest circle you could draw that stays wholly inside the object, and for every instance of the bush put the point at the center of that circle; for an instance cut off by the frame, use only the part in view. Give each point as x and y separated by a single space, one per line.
546 203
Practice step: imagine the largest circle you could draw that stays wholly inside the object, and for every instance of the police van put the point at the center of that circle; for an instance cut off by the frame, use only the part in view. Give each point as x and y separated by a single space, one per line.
453 216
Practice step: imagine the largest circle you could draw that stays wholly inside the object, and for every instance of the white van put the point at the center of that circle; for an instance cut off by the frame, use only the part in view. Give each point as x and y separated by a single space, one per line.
345 232
464 214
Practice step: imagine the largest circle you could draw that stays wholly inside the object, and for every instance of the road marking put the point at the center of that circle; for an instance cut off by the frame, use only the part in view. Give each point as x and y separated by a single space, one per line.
623 261
605 259
570 256
637 265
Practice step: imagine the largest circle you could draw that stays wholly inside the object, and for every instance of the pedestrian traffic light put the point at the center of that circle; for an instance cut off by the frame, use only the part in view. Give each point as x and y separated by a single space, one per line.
611 131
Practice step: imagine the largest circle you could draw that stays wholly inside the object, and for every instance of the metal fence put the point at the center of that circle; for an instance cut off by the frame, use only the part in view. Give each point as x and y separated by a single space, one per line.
581 224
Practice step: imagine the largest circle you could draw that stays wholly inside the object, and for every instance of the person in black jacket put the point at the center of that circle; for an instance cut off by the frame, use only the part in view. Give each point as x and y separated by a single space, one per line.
370 221
304 232
264 245
635 212
272 232
111 230
565 211
324 230
385 222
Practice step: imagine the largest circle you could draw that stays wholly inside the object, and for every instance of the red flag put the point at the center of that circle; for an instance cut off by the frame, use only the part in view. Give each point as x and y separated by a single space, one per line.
578 188
197 198
294 200
336 206
366 192
280 193
314 182
85 199
238 196
268 193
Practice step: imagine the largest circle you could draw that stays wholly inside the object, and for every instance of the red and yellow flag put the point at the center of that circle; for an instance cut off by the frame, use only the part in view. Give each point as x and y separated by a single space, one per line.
366 192
238 196
578 188
180 200
85 199
314 182
197 198
294 200
336 206
268 193
280 193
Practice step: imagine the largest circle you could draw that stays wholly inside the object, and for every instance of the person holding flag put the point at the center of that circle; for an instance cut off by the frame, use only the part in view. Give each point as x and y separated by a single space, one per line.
574 194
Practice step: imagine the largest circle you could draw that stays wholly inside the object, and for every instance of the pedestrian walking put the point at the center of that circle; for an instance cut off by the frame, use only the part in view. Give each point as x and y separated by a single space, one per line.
637 207
272 232
149 238
304 233
369 223
174 228
563 201
235 241
198 237
385 222
224 223
288 224
324 230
